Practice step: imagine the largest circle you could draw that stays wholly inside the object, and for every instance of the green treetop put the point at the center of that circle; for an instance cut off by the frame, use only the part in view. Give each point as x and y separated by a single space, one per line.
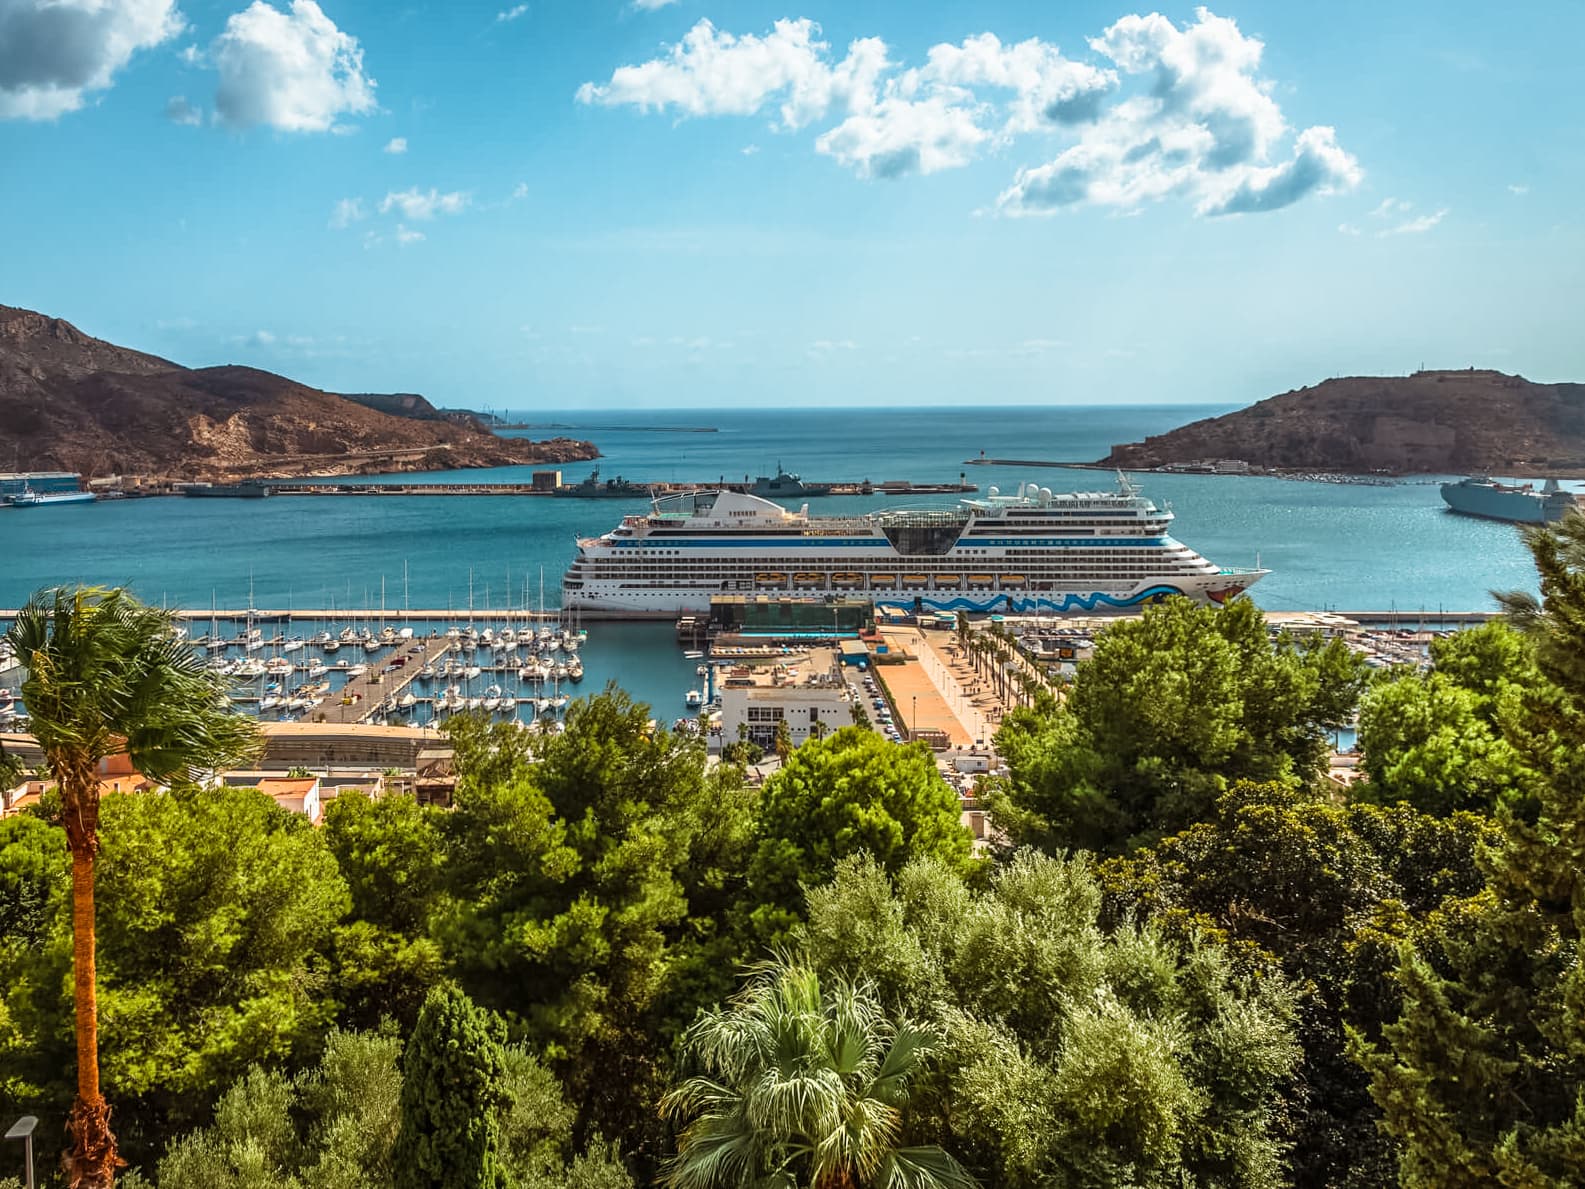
841 795
1171 709
1435 740
452 1093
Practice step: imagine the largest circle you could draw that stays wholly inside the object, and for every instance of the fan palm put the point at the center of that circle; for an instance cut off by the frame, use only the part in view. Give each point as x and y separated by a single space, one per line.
107 674
802 1085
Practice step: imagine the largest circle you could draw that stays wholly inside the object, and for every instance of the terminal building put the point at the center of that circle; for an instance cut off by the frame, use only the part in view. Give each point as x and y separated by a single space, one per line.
761 698
43 482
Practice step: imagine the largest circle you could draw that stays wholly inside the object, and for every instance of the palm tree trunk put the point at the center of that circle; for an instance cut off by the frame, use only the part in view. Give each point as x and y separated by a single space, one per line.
92 1161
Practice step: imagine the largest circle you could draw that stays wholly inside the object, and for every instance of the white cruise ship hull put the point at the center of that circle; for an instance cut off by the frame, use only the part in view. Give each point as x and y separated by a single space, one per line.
1032 554
668 604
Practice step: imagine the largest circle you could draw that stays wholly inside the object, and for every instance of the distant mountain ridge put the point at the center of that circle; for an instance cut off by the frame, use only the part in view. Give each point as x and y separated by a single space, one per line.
1459 422
70 401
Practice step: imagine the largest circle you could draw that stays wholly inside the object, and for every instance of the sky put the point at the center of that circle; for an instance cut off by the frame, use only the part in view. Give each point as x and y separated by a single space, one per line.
568 204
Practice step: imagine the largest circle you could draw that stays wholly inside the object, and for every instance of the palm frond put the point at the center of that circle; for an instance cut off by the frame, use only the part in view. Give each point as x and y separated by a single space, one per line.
106 673
922 1168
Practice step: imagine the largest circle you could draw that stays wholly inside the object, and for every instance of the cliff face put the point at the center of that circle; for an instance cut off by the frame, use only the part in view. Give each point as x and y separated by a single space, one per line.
1452 422
72 402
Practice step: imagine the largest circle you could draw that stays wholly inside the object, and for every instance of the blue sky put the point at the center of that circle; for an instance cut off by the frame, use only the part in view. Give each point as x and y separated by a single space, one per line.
801 203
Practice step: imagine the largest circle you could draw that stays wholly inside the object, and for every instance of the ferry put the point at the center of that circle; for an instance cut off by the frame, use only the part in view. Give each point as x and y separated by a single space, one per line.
1033 552
28 498
1517 503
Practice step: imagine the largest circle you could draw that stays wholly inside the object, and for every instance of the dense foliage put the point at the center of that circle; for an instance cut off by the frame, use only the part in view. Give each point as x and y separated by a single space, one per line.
1322 893
1481 1078
1170 710
1071 1054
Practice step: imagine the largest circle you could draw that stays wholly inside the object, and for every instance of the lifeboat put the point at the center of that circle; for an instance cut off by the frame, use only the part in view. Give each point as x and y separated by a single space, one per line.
847 578
770 578
1012 579
883 579
981 579
915 580
952 580
809 578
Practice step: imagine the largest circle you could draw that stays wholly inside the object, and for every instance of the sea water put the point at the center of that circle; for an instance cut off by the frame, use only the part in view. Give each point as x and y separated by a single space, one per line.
1329 545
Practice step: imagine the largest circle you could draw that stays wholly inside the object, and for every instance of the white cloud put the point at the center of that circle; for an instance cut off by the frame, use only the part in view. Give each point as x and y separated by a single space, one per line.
651 5
511 14
53 54
1318 166
901 136
293 70
1164 112
347 212
179 111
1416 226
519 191
420 204
749 150
710 73
405 235
1392 216
1519 190
1205 129
396 145
1049 89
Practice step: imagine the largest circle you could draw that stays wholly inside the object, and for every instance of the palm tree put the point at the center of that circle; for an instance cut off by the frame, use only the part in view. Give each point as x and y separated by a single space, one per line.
802 1085
107 674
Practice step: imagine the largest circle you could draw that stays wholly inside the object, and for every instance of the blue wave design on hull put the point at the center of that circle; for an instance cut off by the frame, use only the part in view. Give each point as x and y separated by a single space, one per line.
1026 605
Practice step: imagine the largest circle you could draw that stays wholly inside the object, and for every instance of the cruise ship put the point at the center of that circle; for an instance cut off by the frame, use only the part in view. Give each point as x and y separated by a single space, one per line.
1033 552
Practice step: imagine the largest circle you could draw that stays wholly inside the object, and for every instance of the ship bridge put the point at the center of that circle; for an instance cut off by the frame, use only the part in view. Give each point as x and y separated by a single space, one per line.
923 532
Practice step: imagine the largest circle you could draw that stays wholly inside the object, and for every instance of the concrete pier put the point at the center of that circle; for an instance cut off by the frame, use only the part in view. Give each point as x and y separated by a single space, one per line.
360 698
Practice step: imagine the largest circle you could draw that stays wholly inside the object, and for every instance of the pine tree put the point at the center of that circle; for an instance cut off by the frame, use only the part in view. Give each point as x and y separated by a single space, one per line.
1482 1078
452 1092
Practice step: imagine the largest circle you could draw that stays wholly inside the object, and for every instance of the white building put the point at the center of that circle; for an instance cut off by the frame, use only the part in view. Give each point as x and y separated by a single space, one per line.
761 699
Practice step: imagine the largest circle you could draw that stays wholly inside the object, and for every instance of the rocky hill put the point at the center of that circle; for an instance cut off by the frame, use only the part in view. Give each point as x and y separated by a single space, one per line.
72 402
1458 422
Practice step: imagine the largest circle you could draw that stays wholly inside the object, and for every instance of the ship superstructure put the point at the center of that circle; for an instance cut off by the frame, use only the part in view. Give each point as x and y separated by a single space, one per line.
1032 552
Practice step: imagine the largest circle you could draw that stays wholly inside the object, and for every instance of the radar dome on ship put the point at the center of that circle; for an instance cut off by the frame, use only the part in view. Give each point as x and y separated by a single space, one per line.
995 491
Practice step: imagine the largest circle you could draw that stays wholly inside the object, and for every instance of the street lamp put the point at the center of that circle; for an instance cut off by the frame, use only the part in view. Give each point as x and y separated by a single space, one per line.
22 1129
913 732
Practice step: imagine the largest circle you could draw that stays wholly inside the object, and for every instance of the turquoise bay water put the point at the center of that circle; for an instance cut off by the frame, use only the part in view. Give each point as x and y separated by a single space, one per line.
1328 545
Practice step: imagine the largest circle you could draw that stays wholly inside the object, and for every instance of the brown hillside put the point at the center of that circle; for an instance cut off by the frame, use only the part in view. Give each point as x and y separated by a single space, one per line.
73 402
1430 422
1441 422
